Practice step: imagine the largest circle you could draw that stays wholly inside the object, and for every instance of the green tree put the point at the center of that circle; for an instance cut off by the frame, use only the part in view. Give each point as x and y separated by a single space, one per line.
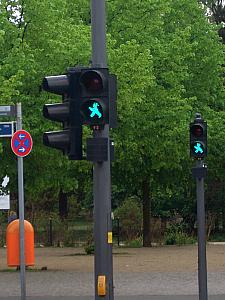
37 41
183 69
168 59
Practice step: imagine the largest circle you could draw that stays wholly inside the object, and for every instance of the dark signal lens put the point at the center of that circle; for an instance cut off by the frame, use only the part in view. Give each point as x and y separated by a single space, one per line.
197 130
95 84
92 81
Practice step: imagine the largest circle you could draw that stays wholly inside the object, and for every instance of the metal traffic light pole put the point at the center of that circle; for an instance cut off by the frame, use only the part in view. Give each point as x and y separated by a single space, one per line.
202 264
199 173
101 170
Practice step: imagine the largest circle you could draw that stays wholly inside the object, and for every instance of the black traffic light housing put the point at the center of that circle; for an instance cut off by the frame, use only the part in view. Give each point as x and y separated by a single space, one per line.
98 97
88 98
69 140
56 84
198 138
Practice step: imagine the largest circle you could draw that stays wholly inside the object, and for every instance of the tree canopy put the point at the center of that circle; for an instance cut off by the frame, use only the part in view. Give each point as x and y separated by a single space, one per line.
169 63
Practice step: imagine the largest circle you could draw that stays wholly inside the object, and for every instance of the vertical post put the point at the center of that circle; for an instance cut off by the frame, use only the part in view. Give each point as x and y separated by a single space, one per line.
101 171
50 232
118 232
21 210
202 264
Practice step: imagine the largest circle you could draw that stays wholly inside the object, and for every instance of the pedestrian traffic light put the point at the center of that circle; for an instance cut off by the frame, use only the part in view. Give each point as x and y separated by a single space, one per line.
69 140
89 98
198 138
94 105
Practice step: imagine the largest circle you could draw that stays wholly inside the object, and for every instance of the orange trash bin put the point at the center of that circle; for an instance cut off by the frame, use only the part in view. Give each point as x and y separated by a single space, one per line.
13 245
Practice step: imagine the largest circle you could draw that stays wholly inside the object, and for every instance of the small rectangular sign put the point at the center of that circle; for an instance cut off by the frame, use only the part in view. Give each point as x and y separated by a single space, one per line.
101 285
4 202
110 237
7 110
6 129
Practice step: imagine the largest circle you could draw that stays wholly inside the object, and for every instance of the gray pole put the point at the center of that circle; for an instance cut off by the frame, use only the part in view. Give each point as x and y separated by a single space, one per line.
202 264
101 171
21 210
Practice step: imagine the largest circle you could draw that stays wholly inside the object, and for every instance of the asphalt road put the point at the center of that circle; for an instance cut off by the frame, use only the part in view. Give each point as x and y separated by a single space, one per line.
141 297
137 285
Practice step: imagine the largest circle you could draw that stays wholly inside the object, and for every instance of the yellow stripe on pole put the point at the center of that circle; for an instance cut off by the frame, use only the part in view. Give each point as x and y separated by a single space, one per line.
110 237
101 285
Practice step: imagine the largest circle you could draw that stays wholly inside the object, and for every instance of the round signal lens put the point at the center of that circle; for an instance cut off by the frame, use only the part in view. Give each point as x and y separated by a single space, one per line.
92 81
197 130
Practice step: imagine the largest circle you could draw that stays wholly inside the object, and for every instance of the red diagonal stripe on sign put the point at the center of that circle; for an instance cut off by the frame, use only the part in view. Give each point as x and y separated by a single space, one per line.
21 142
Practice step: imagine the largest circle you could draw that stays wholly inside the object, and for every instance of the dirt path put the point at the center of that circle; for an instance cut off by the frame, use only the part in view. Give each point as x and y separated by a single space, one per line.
155 259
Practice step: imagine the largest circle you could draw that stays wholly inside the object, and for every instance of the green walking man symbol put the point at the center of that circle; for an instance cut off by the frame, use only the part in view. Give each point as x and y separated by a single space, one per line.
198 148
95 111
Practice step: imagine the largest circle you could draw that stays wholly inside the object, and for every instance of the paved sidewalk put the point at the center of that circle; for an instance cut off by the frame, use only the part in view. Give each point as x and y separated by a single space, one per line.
67 284
162 273
141 297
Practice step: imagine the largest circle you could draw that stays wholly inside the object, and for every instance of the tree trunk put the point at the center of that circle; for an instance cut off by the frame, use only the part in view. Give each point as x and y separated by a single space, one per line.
146 213
223 221
63 205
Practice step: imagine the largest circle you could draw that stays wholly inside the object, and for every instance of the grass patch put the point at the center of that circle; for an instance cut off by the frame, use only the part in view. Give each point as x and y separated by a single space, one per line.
217 237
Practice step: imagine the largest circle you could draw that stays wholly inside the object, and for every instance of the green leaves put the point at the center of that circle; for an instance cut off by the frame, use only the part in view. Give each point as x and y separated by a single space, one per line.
179 75
167 58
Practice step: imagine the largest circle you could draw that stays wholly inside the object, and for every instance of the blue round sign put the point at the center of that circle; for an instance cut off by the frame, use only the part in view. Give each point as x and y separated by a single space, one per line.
21 143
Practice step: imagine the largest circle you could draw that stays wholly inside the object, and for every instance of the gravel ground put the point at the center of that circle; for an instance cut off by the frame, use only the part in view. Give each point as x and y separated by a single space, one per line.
155 259
168 270
59 283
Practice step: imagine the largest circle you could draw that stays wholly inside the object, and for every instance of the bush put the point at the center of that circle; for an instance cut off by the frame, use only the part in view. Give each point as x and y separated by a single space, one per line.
89 246
74 208
176 236
89 249
130 216
217 237
136 243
